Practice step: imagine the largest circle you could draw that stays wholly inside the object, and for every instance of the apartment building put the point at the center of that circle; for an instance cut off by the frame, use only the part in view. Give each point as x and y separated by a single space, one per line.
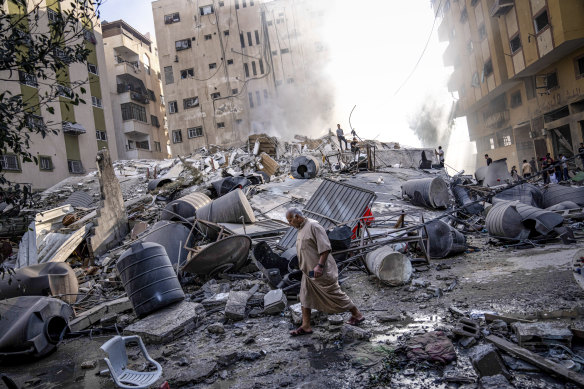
519 74
81 129
234 67
136 92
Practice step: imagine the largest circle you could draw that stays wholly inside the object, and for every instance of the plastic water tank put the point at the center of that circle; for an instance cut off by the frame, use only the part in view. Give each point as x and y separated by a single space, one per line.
148 278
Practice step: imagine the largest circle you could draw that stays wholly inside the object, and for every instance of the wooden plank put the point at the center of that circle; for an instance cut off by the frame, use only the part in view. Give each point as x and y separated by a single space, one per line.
536 360
489 317
71 244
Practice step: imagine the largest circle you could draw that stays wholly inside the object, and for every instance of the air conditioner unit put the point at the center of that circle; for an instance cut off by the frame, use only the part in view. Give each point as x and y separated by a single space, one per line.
501 7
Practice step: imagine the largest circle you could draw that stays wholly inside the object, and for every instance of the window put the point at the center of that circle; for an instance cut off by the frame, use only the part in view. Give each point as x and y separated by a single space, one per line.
208 37
194 132
274 52
482 32
144 145
258 98
238 121
91 68
173 107
61 55
186 73
226 33
35 122
54 16
28 79
507 140
541 21
132 111
253 68
475 80
515 44
515 100
176 136
250 96
463 16
221 4
215 95
290 81
492 143
157 146
191 102
284 51
64 91
246 69
487 68
251 3
183 44
474 2
257 37
151 95
265 93
551 81
96 102
278 82
234 91
45 163
243 3
206 10
89 36
100 135
249 42
221 125
229 62
131 145
154 121
168 76
9 162
172 18
212 66
270 23
242 40
579 63
261 66
75 167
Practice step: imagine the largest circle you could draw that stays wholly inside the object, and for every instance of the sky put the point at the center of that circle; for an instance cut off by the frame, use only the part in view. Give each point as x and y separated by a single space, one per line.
374 46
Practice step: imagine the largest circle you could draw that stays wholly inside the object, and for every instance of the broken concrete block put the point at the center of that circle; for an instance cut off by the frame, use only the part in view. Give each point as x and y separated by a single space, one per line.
467 327
296 314
275 302
544 333
235 307
168 323
486 361
335 320
95 314
495 382
216 300
354 332
216 328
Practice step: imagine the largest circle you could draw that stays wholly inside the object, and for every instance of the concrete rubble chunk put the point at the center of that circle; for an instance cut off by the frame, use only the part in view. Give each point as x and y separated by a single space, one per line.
216 300
235 307
275 302
216 328
296 314
542 333
495 382
486 361
169 323
95 314
356 333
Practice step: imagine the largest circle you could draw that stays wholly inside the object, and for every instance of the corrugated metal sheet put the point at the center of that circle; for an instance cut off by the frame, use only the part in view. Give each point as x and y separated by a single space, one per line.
332 203
259 228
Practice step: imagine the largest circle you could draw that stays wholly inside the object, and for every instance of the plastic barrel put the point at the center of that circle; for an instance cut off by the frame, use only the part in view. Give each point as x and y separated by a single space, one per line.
427 192
340 238
389 266
228 209
504 221
538 220
304 167
186 206
173 237
555 194
148 278
497 173
444 239
525 193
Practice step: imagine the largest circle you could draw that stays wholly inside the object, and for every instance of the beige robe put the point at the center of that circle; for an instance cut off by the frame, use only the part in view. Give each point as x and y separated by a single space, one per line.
323 293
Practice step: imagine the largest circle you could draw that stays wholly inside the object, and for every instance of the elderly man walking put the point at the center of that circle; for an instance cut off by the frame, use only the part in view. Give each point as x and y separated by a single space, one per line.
320 287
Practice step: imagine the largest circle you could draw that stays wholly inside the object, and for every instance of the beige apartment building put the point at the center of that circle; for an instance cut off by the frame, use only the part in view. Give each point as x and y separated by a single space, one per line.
135 91
519 74
82 129
235 67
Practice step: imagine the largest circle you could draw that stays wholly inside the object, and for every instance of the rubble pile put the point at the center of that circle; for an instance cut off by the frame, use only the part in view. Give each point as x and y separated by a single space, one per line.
193 260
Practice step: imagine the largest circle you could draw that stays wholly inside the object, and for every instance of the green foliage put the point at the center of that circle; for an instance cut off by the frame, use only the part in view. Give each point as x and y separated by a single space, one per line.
40 58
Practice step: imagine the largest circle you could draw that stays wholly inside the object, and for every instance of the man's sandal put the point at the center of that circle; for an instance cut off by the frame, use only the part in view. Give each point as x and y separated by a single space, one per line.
300 331
355 322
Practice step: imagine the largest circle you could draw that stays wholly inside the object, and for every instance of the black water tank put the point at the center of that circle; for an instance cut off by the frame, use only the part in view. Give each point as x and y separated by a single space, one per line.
148 278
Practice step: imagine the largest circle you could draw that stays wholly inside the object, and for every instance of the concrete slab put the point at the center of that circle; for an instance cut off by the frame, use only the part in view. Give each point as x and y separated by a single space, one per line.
235 307
95 314
539 334
487 362
275 301
168 323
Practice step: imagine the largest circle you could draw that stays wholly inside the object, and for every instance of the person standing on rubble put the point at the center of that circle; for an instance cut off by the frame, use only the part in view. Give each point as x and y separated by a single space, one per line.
320 287
533 164
489 159
440 154
341 137
545 170
526 169
564 162
354 147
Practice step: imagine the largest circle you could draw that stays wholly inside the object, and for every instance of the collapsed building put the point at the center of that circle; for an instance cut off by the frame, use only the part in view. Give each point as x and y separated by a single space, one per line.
184 272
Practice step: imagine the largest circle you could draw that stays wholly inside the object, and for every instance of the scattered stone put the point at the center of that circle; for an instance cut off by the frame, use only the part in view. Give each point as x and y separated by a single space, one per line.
216 300
467 341
517 364
94 315
436 291
168 323
486 361
235 307
89 364
183 362
256 312
197 371
498 325
495 382
296 314
456 311
249 340
251 355
409 372
216 328
420 283
388 318
275 302
335 320
354 332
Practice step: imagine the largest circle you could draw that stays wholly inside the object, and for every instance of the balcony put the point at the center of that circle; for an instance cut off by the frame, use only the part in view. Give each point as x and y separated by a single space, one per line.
73 128
136 128
501 7
497 119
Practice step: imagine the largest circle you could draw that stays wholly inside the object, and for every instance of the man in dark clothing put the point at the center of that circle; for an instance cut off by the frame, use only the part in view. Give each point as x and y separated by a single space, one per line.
341 137
489 159
581 153
545 169
533 164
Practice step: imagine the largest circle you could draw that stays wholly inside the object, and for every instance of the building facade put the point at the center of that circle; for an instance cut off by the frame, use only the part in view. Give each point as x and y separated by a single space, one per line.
235 67
136 92
519 74
81 130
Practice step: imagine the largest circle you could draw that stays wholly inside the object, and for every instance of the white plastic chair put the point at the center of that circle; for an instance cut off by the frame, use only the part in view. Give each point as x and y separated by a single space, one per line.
117 362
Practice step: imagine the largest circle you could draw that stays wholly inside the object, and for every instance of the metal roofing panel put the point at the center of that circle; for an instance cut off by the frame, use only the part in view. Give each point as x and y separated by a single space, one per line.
332 203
